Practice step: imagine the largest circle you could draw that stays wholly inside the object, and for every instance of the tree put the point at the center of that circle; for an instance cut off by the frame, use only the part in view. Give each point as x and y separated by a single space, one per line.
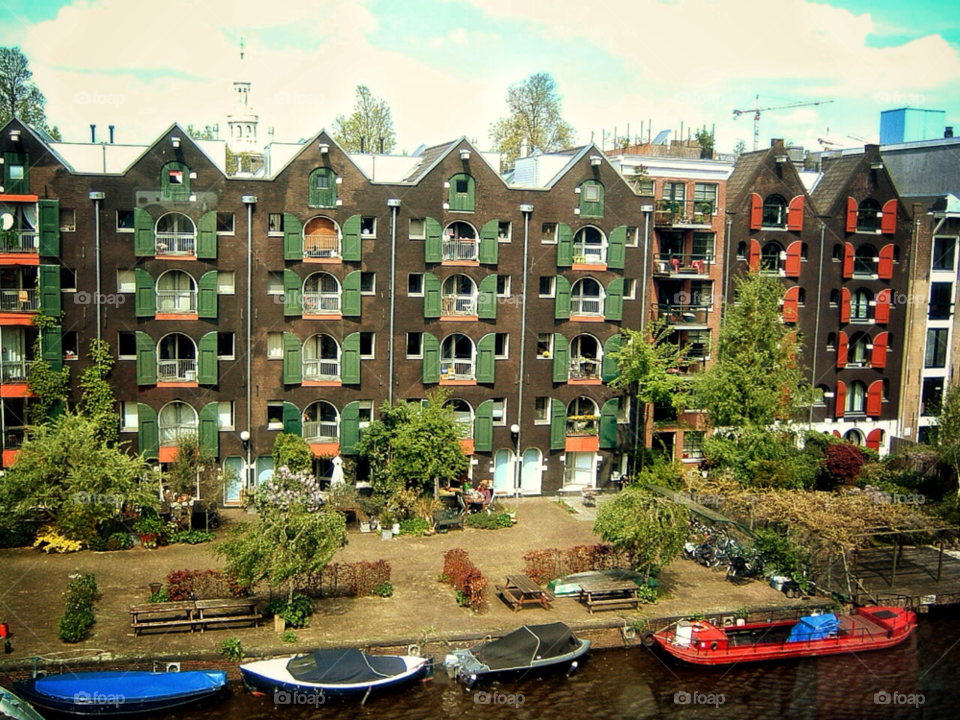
193 471
98 401
647 525
369 128
706 140
535 116
293 452
19 95
740 148
947 435
208 133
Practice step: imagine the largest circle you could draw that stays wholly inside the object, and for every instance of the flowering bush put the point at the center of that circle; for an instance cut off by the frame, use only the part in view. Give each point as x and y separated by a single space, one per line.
49 540
286 490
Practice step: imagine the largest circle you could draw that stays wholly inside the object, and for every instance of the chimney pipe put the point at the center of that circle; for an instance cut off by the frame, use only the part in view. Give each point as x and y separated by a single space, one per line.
111 134
948 131
362 144
381 146
93 133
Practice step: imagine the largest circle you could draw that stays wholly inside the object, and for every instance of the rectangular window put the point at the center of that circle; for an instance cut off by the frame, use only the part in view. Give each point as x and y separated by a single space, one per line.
545 345
463 187
675 191
16 172
275 346
127 345
503 286
415 284
131 417
126 281
704 199
501 346
68 279
646 187
591 193
703 244
548 233
633 237
418 229
629 289
623 410
499 411
225 415
548 286
941 301
693 445
275 224
701 293
368 283
944 252
414 345
323 181
274 416
226 349
367 345
274 283
225 223
70 345
68 220
365 412
931 396
125 221
175 177
541 411
226 282
936 355
368 227
505 231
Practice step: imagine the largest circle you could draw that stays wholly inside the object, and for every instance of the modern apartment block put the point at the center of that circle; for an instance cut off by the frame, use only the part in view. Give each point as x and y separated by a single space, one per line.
302 301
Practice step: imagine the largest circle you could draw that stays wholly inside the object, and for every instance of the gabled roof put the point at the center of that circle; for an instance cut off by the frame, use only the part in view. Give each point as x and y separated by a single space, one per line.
836 178
576 154
744 176
40 138
429 158
307 144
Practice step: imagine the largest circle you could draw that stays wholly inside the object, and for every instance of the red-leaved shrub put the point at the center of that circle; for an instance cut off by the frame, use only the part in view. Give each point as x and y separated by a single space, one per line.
460 572
546 565
202 585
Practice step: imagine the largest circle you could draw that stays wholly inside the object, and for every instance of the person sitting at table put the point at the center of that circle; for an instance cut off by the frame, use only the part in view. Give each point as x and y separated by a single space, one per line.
486 493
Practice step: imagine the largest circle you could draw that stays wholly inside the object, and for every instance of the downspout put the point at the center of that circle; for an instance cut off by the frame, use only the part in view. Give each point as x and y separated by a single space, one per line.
96 259
816 329
526 209
727 241
639 413
251 472
394 205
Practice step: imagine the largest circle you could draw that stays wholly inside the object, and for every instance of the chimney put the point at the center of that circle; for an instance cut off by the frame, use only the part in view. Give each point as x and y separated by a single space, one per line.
93 133
524 148
381 146
948 131
363 144
111 134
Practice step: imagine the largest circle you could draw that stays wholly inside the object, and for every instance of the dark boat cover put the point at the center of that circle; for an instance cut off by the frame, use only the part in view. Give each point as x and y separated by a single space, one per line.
344 667
814 627
527 644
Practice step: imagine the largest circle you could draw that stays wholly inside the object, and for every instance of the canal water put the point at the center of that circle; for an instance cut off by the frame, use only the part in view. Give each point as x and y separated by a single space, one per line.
916 680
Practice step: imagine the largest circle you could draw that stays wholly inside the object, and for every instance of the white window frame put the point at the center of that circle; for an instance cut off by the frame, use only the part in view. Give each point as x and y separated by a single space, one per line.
591 189
553 287
546 415
225 410
423 229
509 235
227 233
556 232
631 289
550 350
275 352
506 347
129 411
372 291
506 292
633 237
231 356
416 294
275 233
127 357
373 347
224 288
274 278
69 227
503 419
275 425
131 284
407 347
124 230
373 233
623 411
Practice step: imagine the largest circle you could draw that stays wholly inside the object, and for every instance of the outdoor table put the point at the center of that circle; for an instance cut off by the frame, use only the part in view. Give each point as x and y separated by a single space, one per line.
226 611
609 594
520 591
163 615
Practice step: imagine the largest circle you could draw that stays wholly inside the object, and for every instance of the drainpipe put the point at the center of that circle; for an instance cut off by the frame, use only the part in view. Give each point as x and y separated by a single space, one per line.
816 330
645 267
97 198
249 201
394 205
527 210
727 240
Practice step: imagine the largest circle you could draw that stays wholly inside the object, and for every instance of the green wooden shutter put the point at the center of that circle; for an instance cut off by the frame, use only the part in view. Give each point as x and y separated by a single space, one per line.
609 436
462 202
350 360
292 237
49 228
292 419
591 209
352 247
487 300
431 359
611 363
350 428
564 246
433 245
323 197
208 366
489 242
292 365
562 303
145 300
486 359
558 425
16 186
613 308
49 279
352 303
561 358
51 347
292 294
144 241
210 429
148 432
146 359
207 236
431 296
483 427
207 298
616 248
176 193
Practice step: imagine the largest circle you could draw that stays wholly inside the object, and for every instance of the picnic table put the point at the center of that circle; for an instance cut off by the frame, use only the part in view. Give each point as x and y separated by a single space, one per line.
219 612
193 614
520 591
609 594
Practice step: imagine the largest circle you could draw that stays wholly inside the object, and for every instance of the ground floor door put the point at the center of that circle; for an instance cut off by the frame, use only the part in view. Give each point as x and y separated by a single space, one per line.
531 474
233 476
580 471
504 469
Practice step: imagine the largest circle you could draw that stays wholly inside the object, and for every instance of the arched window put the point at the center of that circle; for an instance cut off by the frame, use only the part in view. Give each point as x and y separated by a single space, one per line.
771 258
176 420
774 212
321 294
838 252
831 341
868 216
854 437
321 359
586 298
176 235
462 416
176 359
321 423
323 188
458 357
321 238
864 261
176 293
583 417
856 398
860 310
459 296
857 354
834 298
460 242
586 358
589 247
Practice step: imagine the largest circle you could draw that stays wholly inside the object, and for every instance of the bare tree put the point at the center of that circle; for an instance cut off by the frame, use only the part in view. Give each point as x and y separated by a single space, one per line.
369 128
535 116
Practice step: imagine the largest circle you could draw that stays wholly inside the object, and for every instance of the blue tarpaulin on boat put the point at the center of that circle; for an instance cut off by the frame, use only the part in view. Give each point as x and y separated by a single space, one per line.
132 686
814 627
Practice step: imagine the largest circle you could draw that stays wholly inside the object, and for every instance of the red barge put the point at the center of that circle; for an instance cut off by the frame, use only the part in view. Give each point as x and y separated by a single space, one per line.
702 643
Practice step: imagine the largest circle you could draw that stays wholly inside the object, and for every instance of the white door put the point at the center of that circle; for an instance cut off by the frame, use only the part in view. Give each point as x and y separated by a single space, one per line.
580 470
504 468
531 474
233 474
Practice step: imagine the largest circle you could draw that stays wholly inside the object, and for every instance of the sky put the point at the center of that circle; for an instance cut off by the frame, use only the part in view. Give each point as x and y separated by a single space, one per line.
444 66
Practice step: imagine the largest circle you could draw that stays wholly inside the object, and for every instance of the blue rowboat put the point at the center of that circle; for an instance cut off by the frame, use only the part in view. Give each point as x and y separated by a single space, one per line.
120 693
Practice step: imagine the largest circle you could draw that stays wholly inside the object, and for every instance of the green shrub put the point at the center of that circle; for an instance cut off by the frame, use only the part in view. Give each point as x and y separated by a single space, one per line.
295 612
148 525
160 596
489 522
192 537
119 541
647 594
232 649
414 526
782 554
463 600
74 624
289 636
383 590
16 533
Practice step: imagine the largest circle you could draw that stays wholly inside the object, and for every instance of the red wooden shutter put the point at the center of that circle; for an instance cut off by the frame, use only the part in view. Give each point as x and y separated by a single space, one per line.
754 258
795 214
791 301
878 356
847 261
875 439
881 313
844 305
885 266
888 221
875 398
851 215
756 211
842 351
792 267
841 400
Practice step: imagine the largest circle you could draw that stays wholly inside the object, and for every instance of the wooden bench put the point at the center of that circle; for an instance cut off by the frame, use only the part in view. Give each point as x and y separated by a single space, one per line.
609 595
221 612
193 614
163 615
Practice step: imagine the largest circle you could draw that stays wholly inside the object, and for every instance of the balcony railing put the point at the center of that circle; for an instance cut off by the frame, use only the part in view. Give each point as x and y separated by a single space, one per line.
319 303
19 241
15 371
457 370
319 431
586 254
321 246
177 370
176 302
682 314
583 425
321 370
666 264
19 300
170 434
176 243
13 438
684 213
580 305
584 368
459 250
458 305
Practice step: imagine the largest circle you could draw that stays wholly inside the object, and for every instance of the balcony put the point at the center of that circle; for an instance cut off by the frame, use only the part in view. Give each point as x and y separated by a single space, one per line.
176 244
171 434
686 264
321 370
15 301
19 241
318 432
585 368
460 250
321 303
683 214
682 315
16 371
176 302
458 305
583 425
177 370
588 254
321 247
13 437
586 306
458 370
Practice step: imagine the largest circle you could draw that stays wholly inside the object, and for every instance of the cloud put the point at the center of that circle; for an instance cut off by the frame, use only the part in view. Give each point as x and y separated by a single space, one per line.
463 38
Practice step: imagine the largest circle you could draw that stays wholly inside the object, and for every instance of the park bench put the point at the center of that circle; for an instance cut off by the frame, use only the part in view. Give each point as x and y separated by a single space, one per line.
193 614
167 615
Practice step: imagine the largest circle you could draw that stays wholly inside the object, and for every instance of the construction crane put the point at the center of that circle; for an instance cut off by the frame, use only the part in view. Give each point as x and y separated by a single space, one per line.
757 110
